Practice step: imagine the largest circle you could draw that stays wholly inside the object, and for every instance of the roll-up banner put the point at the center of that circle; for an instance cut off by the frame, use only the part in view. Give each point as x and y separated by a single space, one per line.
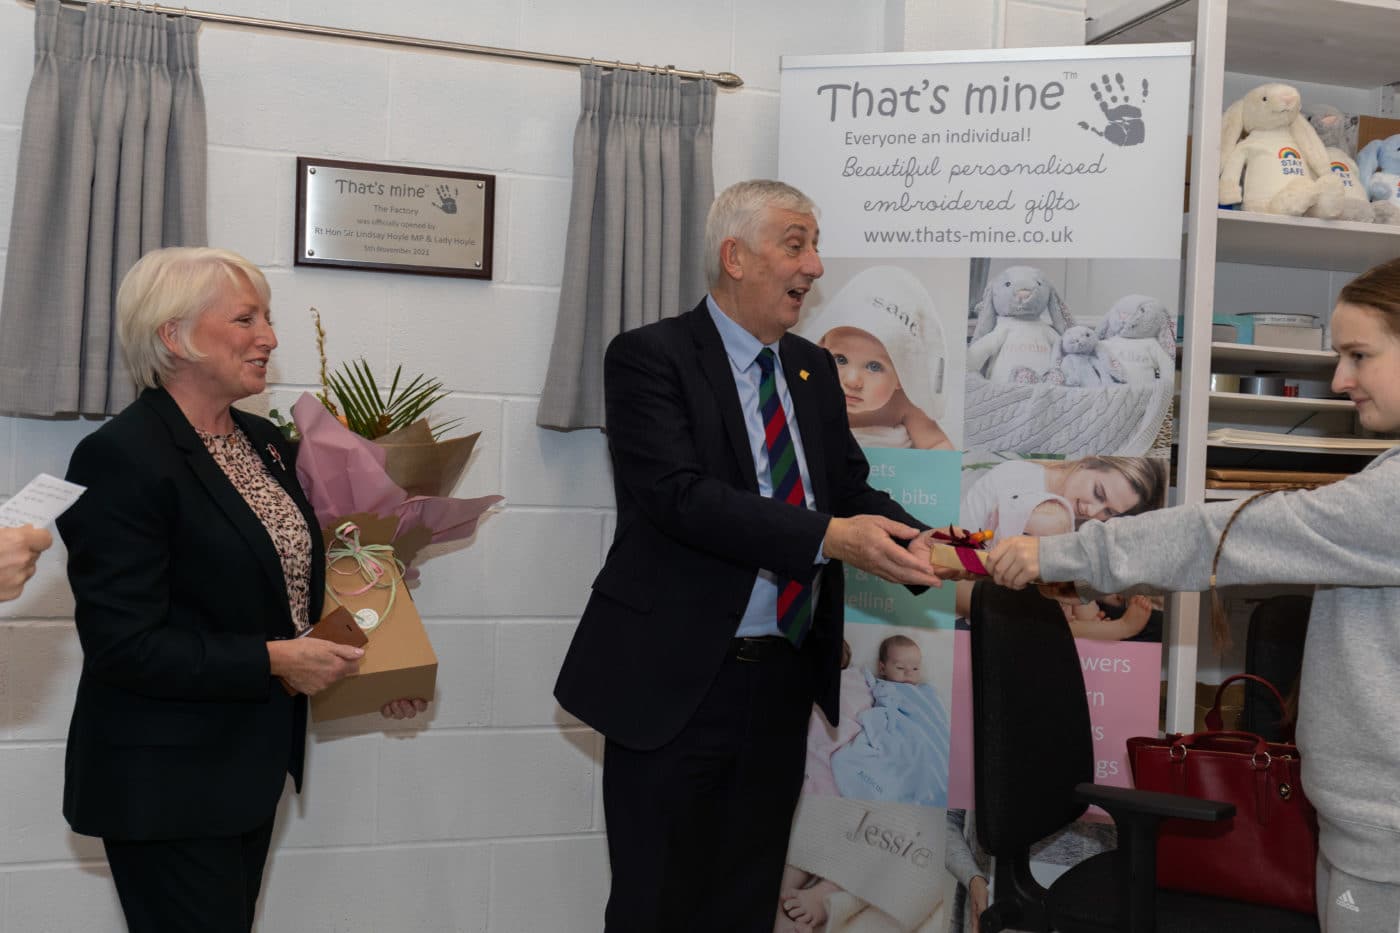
1001 232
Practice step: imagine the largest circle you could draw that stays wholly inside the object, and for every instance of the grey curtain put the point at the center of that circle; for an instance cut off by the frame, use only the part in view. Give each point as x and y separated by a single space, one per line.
112 164
643 182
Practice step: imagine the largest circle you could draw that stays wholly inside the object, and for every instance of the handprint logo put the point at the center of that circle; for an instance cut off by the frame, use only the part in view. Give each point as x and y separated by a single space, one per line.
1124 126
447 198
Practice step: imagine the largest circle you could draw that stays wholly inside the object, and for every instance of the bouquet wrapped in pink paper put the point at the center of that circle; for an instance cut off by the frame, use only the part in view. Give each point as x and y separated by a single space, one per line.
345 477
374 529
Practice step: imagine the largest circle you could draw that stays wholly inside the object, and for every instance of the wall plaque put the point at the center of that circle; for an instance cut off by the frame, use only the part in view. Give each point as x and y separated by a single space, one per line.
394 218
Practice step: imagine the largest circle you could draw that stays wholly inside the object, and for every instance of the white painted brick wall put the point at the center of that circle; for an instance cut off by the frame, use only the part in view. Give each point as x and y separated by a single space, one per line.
485 814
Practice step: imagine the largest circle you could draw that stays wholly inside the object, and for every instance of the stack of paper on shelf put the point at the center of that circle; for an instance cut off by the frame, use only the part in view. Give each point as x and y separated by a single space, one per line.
1237 437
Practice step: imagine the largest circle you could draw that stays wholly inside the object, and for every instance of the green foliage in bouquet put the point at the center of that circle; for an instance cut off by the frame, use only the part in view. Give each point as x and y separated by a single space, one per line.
371 413
352 395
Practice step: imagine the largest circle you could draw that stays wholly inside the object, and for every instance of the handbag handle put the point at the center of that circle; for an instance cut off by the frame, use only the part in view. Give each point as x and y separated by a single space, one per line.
1185 742
1220 630
1214 720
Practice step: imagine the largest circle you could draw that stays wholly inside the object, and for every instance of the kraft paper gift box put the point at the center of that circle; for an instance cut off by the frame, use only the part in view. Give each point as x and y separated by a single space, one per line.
399 661
945 550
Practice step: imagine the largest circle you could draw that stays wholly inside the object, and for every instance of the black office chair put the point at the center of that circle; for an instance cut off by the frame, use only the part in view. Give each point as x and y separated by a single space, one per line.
1273 649
1033 762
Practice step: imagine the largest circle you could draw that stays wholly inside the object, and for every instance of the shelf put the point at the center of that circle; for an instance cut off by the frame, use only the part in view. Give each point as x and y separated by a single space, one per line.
1345 42
1253 358
1240 401
1303 242
1329 451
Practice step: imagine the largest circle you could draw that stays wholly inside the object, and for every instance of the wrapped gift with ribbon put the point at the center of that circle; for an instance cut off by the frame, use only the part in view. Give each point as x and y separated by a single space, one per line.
365 577
958 549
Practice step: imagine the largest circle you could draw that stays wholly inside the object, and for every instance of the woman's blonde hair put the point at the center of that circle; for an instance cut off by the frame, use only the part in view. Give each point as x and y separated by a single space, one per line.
174 284
1146 476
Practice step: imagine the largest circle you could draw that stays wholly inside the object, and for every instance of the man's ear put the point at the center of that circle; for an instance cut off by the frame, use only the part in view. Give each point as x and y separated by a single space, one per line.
731 258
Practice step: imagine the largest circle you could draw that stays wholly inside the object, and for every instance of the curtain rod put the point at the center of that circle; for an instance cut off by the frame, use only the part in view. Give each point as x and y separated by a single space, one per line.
723 78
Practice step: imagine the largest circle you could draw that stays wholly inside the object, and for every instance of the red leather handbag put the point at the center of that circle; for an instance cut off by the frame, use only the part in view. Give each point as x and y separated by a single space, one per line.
1266 854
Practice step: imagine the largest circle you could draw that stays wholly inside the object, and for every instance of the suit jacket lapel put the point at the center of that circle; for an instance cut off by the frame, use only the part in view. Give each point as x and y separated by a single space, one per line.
715 364
806 404
228 499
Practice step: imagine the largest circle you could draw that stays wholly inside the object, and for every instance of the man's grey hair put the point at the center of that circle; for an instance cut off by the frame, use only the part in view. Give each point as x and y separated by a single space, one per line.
738 212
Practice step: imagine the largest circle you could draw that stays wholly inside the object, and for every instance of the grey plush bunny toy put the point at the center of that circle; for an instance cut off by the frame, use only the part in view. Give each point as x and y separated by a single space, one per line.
1080 361
1019 322
1331 125
1136 334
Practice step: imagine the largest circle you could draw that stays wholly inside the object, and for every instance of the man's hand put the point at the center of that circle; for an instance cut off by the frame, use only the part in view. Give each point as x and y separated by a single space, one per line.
922 547
1015 562
19 557
310 665
872 543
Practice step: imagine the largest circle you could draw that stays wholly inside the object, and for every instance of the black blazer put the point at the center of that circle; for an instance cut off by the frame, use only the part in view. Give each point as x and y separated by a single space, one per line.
179 729
693 531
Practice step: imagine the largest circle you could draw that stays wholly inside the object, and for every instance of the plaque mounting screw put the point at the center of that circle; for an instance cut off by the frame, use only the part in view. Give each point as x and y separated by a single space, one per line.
477 263
311 252
480 184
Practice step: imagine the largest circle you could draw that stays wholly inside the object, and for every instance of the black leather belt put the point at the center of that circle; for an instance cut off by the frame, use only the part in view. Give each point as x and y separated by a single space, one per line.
764 648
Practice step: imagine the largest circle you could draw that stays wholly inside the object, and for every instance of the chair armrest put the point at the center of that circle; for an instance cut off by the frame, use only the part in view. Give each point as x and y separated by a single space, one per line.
1129 801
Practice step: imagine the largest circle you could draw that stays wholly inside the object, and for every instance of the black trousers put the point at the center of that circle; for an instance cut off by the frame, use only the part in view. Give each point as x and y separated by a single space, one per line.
698 829
181 885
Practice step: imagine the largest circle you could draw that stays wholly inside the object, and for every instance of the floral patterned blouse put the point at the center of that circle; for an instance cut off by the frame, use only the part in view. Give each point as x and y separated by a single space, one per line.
276 510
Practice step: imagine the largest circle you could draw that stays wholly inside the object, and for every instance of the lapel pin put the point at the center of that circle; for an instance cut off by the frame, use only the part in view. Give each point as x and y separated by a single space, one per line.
803 374
276 454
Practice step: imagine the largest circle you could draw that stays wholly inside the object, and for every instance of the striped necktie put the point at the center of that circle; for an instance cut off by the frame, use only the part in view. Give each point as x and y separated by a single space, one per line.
794 599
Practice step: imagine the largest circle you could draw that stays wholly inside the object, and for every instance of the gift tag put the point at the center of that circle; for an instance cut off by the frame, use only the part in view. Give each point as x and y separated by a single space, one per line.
366 618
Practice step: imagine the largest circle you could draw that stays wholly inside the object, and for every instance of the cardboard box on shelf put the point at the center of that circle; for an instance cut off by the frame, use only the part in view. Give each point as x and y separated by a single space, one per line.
1287 336
399 661
1369 128
1231 704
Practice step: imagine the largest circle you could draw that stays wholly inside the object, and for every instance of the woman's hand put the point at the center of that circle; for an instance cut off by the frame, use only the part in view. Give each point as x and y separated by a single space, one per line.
19 556
310 665
405 708
1015 562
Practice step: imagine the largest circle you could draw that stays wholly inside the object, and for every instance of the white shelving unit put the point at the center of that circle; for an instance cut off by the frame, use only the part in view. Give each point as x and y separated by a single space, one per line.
1345 44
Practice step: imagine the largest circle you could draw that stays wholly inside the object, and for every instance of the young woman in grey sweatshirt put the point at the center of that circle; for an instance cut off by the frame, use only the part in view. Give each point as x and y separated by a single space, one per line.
1346 539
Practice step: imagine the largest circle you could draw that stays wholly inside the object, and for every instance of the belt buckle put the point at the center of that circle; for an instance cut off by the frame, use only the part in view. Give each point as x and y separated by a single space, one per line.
750 650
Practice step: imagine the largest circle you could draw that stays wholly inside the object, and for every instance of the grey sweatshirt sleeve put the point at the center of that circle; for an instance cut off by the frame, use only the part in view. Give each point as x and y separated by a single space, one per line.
1347 533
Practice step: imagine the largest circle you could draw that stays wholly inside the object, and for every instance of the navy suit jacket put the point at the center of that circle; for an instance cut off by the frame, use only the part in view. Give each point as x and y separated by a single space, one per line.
179 729
693 530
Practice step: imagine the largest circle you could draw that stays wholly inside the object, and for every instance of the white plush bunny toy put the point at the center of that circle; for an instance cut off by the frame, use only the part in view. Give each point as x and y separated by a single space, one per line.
1265 137
1080 361
1019 322
1135 335
1331 125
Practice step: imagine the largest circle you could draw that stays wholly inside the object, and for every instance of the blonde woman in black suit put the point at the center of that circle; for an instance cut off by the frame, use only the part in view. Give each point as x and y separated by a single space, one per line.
195 559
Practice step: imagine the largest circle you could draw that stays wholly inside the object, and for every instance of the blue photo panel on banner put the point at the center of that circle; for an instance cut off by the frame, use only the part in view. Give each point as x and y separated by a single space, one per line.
926 484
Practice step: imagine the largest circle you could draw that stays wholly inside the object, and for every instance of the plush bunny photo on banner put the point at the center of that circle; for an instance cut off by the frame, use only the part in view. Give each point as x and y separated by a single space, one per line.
1080 362
1019 322
1136 335
1265 138
1331 127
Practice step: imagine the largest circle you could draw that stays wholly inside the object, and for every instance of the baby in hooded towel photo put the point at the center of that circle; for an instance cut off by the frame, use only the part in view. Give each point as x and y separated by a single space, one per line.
877 328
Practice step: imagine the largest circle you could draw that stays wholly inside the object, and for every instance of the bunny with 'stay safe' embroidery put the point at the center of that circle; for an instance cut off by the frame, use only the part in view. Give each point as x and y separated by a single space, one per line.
1265 138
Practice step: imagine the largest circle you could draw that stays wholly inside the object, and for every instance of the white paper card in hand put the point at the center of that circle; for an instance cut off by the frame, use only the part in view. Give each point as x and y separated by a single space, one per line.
40 502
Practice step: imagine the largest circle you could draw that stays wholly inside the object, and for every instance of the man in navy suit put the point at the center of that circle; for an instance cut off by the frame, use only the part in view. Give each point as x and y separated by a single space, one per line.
683 658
